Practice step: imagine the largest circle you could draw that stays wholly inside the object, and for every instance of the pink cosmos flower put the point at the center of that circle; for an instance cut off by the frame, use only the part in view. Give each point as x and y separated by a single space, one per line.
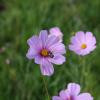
46 50
83 43
57 32
72 93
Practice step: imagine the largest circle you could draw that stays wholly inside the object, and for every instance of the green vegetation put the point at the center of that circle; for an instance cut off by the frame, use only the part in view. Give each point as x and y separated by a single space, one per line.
20 79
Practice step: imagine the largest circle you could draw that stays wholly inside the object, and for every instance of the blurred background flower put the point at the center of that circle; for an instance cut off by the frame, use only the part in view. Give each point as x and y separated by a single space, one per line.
56 32
7 61
83 43
72 93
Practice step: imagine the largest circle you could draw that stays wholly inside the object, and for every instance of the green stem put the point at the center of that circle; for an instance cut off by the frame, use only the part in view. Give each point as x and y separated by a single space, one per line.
83 71
46 89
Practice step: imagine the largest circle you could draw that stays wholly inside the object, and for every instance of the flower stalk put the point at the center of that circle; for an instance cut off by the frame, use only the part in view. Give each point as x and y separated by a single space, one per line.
45 86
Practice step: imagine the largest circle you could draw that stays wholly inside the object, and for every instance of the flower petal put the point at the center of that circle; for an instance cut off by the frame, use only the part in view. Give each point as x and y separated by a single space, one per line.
34 48
87 50
43 36
64 94
85 96
34 42
75 40
92 48
56 31
31 53
46 67
56 98
58 48
57 59
38 59
74 47
91 40
73 88
80 36
89 36
51 41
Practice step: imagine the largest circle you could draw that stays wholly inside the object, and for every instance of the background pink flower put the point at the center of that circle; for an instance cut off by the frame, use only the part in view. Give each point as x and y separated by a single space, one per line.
72 93
46 50
57 32
83 43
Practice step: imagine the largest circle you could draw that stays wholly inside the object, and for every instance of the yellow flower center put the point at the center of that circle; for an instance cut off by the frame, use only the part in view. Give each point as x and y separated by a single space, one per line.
83 46
44 52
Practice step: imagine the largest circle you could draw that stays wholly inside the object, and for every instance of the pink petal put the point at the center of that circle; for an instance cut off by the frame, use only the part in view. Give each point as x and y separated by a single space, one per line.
58 48
57 59
91 40
85 96
79 52
87 50
31 53
46 67
56 32
89 36
51 41
92 48
56 98
33 41
34 48
74 47
43 36
73 88
38 59
75 41
80 36
64 94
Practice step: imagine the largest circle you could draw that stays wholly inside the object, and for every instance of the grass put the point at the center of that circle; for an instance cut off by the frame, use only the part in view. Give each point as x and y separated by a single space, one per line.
19 20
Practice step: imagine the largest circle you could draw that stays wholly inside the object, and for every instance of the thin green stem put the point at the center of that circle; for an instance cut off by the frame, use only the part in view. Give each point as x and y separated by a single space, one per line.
83 71
46 89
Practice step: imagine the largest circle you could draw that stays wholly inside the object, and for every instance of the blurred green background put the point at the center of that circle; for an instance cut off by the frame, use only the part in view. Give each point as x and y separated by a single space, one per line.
20 79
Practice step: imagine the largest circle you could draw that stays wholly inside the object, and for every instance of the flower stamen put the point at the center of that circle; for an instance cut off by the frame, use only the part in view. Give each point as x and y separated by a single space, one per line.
83 46
44 52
